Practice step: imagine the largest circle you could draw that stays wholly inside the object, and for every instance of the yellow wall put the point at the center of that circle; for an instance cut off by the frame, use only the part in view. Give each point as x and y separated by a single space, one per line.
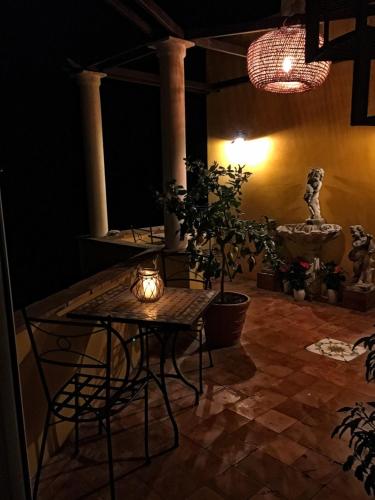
295 133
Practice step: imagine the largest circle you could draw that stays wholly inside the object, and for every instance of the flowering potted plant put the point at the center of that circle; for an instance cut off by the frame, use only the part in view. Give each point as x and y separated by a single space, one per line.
333 276
284 275
297 276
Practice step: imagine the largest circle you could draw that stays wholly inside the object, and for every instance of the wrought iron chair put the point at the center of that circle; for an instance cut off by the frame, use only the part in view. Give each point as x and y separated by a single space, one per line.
82 387
183 276
146 235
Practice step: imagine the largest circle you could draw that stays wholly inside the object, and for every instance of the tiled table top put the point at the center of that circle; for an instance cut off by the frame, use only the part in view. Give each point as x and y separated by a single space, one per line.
178 306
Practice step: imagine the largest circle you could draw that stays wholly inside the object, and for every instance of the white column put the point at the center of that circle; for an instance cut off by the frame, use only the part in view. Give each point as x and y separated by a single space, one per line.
171 53
89 83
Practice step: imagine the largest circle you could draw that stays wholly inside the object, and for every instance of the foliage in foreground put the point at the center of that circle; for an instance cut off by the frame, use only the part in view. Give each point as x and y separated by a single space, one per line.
360 423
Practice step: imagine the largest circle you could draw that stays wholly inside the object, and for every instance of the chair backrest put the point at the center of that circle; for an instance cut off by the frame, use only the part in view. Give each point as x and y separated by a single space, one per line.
91 351
176 271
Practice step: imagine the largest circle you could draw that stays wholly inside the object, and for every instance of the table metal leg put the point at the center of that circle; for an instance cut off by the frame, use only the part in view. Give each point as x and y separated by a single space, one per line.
161 383
179 373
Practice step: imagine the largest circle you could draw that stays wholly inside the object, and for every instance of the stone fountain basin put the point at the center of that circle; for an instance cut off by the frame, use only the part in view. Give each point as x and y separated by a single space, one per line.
315 234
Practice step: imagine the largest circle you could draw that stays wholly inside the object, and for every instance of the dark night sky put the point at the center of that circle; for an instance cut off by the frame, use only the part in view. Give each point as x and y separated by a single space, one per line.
43 181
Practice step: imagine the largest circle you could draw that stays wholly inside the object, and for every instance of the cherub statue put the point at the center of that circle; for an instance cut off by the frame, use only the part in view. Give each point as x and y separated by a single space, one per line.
363 257
311 196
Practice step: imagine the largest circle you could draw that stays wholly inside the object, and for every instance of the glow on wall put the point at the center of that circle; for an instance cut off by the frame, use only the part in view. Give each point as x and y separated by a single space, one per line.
251 153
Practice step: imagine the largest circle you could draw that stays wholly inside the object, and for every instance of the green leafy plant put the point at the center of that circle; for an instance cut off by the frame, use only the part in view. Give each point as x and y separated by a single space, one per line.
333 275
359 422
218 238
272 255
296 273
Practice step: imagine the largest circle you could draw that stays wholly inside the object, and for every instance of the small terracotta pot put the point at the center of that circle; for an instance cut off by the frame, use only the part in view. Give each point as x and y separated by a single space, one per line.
332 296
223 323
299 295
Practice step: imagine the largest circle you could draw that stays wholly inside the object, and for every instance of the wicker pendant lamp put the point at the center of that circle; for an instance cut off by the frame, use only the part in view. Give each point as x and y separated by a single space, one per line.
276 62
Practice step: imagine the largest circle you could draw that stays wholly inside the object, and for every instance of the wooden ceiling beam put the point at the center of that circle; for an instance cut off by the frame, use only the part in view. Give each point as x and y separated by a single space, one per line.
131 15
362 70
232 82
220 46
268 23
235 29
124 57
144 78
161 17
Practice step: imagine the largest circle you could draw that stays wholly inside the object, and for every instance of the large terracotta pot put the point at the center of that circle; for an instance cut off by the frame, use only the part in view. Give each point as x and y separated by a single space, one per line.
224 322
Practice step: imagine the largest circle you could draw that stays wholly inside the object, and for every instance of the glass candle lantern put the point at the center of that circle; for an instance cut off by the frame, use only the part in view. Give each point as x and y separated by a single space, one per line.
148 285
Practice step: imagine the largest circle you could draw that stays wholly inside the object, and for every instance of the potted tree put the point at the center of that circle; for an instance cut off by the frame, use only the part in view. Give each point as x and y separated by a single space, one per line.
218 240
333 277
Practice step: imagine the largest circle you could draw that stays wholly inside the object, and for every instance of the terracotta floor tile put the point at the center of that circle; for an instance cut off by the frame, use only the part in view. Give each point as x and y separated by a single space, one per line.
284 449
317 466
228 420
234 485
275 420
302 379
318 440
177 483
317 394
230 449
254 434
206 407
306 435
286 387
206 433
221 376
183 479
131 488
205 493
267 494
256 383
278 370
326 494
258 404
345 398
162 464
300 411
225 397
348 486
288 482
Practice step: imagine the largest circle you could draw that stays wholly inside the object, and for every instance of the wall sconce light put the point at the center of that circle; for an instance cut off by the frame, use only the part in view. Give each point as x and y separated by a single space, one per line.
239 137
237 148
148 285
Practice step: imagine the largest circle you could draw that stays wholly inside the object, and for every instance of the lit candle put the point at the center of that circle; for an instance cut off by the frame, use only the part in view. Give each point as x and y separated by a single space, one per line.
149 287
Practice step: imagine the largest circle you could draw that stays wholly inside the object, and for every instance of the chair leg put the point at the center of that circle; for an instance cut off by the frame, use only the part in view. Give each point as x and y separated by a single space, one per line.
76 423
147 449
210 358
200 362
110 457
41 455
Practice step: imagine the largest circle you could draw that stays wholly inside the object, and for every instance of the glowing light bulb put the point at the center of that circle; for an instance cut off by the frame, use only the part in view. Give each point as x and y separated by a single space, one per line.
287 64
